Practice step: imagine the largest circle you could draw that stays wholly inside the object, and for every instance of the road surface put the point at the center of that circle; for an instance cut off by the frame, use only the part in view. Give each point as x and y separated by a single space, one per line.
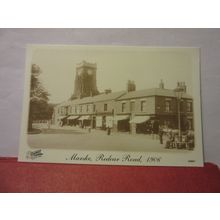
76 138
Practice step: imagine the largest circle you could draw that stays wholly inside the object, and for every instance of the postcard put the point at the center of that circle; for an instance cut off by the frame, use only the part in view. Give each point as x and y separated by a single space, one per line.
112 105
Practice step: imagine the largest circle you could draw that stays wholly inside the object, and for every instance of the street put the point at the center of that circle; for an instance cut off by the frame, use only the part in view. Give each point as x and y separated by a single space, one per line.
77 138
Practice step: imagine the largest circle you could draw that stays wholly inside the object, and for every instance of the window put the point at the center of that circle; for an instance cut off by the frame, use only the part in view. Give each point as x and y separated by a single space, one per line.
123 107
80 108
189 106
132 106
94 108
167 106
190 124
87 108
105 107
143 105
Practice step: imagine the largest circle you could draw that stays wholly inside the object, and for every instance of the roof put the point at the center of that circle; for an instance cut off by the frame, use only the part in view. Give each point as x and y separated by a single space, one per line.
65 103
152 92
122 95
109 96
92 99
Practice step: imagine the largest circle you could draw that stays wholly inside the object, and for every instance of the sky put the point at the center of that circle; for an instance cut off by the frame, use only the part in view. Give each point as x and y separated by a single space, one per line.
115 66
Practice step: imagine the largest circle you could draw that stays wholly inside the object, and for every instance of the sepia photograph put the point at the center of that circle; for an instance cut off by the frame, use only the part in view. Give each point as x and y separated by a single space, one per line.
112 105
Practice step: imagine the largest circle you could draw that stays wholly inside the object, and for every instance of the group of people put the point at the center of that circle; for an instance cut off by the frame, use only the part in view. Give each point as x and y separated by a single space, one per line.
185 140
171 137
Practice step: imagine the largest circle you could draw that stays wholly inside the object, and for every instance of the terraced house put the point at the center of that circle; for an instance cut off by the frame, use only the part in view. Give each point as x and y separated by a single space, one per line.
97 111
134 111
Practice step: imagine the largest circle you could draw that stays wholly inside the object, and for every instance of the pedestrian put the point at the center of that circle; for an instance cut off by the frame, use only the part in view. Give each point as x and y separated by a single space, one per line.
155 129
161 134
170 141
48 124
108 130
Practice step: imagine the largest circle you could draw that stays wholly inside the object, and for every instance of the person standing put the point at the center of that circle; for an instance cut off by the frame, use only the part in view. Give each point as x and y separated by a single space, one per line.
155 129
161 134
108 130
48 124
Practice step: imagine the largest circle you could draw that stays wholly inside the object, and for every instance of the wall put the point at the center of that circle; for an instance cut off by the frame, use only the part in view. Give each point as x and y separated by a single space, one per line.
100 106
150 106
84 109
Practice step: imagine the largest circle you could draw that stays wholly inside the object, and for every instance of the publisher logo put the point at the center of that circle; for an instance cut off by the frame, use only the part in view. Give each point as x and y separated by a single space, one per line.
34 154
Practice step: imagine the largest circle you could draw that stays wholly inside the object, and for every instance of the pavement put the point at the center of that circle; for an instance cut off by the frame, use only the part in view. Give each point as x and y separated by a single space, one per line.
77 138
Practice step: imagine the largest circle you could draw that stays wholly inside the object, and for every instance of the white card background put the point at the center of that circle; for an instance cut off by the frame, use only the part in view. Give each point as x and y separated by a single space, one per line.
12 64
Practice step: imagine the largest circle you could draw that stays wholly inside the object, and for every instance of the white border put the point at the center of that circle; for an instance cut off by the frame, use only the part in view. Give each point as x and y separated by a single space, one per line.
114 13
109 206
165 159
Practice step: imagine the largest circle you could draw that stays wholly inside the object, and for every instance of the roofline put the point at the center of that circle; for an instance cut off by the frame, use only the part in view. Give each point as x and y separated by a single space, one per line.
135 97
90 102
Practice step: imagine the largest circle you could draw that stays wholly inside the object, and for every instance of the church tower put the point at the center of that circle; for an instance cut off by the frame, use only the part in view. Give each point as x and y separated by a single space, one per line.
85 80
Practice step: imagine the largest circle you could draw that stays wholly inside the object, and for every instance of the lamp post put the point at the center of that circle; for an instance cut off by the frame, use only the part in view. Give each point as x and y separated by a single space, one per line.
179 93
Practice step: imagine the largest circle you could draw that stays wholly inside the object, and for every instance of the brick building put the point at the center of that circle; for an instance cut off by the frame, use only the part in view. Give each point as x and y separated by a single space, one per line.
136 111
158 105
95 111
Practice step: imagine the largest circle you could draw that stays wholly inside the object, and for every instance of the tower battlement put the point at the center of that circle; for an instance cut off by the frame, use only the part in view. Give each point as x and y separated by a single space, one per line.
86 65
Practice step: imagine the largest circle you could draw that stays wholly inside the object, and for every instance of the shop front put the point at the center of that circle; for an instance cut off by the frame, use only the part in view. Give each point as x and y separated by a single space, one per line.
121 123
72 120
62 120
104 121
140 124
85 121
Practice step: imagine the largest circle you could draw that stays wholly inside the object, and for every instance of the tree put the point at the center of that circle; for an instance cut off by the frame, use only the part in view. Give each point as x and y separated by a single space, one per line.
38 97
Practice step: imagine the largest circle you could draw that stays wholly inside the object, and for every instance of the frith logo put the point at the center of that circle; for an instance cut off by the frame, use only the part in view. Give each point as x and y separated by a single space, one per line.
34 154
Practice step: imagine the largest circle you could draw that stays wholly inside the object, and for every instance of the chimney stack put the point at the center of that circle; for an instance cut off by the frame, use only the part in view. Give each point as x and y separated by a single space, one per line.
161 85
131 86
181 86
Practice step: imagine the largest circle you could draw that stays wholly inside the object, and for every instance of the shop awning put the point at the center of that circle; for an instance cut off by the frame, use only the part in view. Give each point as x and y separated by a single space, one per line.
121 117
139 119
85 117
72 117
61 117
